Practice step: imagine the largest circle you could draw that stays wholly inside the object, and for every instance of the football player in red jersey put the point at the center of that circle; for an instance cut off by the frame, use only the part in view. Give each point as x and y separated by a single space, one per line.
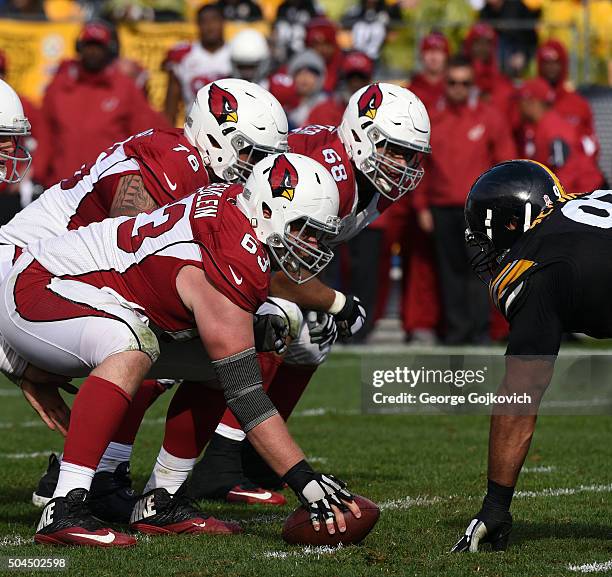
374 156
231 125
103 299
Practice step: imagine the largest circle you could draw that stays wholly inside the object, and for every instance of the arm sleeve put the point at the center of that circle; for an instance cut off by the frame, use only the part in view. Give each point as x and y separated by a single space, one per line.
535 315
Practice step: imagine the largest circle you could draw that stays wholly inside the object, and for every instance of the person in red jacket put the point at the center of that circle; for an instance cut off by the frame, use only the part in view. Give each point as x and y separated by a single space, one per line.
468 137
554 141
480 47
357 70
552 61
90 104
321 37
428 84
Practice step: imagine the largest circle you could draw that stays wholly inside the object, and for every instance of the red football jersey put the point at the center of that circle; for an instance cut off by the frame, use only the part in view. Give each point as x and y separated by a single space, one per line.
321 143
170 167
139 258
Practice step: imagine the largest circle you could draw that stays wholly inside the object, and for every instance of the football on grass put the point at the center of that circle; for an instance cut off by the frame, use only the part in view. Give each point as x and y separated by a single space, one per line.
298 528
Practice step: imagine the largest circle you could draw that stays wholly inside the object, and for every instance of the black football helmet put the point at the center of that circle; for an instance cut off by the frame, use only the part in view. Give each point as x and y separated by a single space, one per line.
501 205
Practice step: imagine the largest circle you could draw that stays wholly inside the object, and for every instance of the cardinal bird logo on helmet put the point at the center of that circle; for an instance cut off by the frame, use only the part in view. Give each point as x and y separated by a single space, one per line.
283 178
370 101
223 105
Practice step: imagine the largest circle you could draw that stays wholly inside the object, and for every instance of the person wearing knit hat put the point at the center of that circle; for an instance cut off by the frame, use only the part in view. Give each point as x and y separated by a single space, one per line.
356 72
428 84
321 37
308 72
553 141
480 47
552 60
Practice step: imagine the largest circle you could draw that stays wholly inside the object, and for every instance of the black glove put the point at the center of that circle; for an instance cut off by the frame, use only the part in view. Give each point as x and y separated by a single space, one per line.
317 491
322 328
351 317
491 525
271 332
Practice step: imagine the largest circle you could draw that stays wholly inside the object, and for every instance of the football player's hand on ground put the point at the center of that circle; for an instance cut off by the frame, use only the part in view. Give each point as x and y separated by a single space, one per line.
41 389
351 318
271 332
323 495
490 525
322 329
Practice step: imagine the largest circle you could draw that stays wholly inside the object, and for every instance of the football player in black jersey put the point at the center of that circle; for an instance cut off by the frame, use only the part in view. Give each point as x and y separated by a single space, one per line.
547 255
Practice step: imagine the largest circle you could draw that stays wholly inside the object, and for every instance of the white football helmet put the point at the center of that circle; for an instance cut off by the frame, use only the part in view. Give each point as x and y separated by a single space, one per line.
385 129
15 160
250 55
292 202
231 117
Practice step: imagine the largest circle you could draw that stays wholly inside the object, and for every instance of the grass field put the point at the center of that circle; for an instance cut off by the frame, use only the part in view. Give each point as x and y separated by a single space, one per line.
426 472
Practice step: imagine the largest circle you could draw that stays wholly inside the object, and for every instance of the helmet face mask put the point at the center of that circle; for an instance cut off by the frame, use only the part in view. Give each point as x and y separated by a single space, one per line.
393 178
302 251
14 165
487 258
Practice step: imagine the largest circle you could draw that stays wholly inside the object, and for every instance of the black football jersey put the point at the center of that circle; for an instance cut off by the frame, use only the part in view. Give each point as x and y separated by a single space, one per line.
558 277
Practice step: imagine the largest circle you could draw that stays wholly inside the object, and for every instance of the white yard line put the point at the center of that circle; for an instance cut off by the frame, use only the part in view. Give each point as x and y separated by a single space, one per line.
16 541
34 455
316 552
564 491
592 567
539 469
410 502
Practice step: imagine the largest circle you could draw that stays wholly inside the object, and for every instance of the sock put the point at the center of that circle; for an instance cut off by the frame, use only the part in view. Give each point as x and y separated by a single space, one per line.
229 427
169 472
72 477
98 409
115 454
289 385
148 392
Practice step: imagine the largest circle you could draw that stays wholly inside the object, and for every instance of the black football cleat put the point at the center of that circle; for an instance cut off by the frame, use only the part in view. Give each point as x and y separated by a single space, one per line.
111 497
159 513
68 521
48 482
219 476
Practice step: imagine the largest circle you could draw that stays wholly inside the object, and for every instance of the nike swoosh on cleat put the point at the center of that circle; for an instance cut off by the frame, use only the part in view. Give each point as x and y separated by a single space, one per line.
200 524
236 278
261 496
171 184
108 538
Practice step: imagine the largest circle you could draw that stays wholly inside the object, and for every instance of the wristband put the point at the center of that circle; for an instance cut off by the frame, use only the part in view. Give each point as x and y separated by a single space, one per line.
499 496
338 304
299 476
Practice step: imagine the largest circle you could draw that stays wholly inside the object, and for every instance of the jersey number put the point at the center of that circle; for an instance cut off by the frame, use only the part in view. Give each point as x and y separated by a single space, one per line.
130 239
594 209
249 244
337 171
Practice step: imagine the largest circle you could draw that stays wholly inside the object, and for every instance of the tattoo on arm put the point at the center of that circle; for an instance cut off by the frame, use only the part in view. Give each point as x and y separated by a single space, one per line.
131 197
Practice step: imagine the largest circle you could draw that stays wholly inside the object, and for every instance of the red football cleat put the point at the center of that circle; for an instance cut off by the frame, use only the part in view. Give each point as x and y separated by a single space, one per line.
159 513
68 521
